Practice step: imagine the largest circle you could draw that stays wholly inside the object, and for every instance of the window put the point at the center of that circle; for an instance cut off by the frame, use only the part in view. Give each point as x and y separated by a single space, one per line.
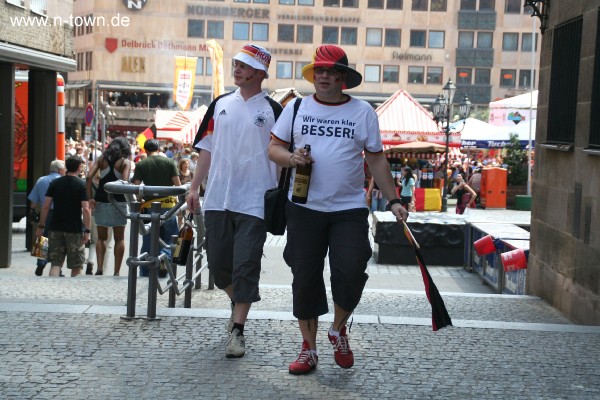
434 75
526 42
349 36
350 3
417 38
525 78
392 37
468 5
20 3
287 2
262 1
200 66
508 77
306 2
88 60
208 66
374 36
464 75
372 73
284 69
482 76
564 76
375 4
304 33
391 73
487 5
466 39
195 28
419 5
438 5
241 31
484 40
89 28
299 66
393 4
260 32
331 3
40 7
513 6
215 29
510 42
330 35
285 33
436 39
416 74
241 1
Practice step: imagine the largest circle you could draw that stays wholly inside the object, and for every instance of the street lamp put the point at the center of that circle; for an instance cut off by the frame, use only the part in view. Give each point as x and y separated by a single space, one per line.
442 110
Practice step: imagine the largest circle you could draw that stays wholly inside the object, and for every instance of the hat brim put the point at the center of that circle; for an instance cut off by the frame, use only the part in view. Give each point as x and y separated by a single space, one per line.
352 78
246 59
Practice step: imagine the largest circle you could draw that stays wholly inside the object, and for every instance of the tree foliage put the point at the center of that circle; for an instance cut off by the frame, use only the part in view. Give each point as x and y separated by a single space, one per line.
516 161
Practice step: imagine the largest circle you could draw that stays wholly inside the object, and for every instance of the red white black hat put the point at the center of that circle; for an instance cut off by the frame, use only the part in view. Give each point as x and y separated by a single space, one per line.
255 56
330 56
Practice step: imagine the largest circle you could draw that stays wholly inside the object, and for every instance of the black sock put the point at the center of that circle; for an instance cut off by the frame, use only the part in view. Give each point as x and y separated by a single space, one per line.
239 327
232 303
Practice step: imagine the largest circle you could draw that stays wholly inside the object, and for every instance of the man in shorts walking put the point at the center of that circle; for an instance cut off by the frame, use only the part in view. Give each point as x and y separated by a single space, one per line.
37 197
334 220
233 140
67 234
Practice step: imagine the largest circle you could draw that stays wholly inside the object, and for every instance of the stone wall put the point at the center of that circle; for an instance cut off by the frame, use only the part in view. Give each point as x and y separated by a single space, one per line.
564 264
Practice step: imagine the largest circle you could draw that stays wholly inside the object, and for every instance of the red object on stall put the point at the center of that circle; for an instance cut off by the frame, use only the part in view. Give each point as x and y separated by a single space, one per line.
514 260
485 245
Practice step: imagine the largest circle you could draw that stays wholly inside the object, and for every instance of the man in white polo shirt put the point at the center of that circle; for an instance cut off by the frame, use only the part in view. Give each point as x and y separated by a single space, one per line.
232 141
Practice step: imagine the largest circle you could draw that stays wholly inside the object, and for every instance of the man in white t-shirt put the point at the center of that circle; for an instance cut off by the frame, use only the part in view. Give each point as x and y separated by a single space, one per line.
232 141
334 220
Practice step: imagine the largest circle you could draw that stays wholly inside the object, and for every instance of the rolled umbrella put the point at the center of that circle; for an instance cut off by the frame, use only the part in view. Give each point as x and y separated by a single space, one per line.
439 317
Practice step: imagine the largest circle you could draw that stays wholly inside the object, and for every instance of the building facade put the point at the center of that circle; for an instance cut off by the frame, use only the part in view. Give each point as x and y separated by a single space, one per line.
129 46
564 263
35 44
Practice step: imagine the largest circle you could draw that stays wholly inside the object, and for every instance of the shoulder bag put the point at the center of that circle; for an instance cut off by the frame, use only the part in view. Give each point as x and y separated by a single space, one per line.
276 198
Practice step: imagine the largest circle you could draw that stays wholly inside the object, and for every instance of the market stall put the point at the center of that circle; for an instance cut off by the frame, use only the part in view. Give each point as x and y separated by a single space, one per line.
178 126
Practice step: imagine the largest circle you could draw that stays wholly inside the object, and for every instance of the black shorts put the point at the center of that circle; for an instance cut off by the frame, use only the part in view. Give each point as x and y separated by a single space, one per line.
310 236
234 247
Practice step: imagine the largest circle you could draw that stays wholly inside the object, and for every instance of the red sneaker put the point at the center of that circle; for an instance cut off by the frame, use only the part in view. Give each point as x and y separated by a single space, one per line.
306 361
341 349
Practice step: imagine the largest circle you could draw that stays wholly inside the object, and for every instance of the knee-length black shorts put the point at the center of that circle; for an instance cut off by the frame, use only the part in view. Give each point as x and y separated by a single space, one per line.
311 235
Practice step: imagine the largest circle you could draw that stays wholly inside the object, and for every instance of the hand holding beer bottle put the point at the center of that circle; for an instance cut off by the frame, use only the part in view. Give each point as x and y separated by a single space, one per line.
302 179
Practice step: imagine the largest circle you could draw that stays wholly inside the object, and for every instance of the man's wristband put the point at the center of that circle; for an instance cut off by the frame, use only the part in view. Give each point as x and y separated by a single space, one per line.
41 226
87 231
394 201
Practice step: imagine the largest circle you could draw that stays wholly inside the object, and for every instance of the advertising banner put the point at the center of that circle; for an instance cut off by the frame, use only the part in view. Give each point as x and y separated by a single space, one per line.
185 78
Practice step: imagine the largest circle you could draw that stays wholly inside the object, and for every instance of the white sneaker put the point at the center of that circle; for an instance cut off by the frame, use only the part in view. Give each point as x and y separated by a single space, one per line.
236 345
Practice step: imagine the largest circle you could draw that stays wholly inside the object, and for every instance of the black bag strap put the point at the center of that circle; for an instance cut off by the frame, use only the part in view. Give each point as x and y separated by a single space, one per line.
286 173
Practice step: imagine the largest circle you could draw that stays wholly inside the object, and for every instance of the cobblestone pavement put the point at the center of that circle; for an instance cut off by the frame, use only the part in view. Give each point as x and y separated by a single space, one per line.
64 338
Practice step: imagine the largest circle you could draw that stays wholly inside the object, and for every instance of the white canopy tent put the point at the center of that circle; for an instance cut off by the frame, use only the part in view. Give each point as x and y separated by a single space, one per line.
481 135
515 110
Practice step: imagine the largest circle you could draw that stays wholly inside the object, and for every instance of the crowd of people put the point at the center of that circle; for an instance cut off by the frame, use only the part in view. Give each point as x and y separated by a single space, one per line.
98 164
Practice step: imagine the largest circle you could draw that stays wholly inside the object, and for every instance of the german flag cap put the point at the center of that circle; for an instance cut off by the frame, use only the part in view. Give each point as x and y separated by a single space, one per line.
330 56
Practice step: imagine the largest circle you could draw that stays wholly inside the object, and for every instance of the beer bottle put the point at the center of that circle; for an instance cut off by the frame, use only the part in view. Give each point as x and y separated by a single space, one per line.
184 242
302 181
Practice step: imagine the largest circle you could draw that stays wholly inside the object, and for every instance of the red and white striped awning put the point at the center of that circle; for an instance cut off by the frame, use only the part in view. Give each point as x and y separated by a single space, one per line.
179 126
403 120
